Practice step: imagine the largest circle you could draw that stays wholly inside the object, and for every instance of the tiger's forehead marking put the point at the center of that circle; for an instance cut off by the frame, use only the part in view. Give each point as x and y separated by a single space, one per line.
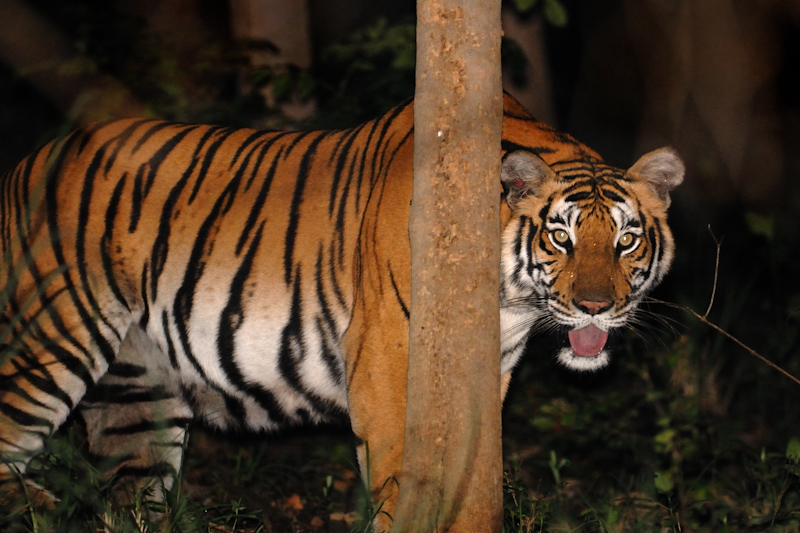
591 180
592 190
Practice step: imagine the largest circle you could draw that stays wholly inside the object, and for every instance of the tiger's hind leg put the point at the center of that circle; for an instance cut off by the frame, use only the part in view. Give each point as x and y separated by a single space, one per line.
41 382
136 424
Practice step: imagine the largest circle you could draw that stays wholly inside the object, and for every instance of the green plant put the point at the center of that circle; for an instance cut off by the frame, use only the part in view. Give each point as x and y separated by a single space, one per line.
523 510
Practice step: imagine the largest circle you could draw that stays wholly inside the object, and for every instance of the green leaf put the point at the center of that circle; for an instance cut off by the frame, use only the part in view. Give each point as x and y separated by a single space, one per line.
760 224
793 450
523 6
664 483
555 13
282 86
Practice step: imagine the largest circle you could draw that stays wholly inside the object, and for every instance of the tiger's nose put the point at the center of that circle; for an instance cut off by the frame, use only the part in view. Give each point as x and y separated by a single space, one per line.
591 307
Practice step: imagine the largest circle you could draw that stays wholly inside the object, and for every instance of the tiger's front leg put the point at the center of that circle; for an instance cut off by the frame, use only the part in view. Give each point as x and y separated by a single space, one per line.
136 424
376 348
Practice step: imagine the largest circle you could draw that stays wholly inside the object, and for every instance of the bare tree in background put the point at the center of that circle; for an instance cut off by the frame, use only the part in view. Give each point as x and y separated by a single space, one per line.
452 459
39 52
535 91
279 35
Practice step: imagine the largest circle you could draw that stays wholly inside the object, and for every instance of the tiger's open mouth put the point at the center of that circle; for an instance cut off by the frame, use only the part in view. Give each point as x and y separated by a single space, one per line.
586 351
588 341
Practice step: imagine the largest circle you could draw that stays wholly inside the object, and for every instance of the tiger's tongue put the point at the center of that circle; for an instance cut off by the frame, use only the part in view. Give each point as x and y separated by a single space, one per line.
588 341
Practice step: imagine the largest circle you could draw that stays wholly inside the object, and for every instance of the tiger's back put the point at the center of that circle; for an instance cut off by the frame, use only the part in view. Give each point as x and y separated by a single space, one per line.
157 273
201 235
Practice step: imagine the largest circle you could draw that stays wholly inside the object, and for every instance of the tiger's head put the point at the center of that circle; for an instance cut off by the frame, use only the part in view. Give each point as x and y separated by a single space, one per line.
583 242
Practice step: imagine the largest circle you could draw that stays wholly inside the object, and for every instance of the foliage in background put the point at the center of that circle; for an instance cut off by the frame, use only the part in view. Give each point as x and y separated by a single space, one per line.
683 432
366 74
553 11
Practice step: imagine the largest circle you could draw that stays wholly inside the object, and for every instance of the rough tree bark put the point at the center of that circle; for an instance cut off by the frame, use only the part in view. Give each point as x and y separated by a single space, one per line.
452 460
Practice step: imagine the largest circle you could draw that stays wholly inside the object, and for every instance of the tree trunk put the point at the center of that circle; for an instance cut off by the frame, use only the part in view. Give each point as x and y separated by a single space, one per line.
452 459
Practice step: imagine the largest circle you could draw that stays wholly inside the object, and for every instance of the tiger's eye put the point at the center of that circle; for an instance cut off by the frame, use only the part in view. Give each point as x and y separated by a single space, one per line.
626 240
561 236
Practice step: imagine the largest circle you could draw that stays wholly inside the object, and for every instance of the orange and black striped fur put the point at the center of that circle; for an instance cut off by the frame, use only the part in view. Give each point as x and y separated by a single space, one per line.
157 273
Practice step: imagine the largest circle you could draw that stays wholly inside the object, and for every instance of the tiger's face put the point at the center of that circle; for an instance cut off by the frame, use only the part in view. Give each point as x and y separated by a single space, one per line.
583 244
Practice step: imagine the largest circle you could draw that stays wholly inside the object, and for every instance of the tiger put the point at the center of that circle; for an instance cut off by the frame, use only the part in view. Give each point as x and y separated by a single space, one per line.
156 274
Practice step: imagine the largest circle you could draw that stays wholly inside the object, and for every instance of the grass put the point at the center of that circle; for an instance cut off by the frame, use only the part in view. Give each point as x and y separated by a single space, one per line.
302 481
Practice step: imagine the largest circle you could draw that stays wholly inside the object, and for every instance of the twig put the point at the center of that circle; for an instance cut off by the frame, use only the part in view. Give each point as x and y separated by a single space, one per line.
715 327
718 242
704 318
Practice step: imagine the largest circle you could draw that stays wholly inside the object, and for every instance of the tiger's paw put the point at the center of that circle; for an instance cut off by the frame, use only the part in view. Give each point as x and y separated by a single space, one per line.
23 498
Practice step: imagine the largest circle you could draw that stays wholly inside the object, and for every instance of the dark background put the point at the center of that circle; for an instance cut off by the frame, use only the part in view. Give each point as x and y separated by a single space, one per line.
685 430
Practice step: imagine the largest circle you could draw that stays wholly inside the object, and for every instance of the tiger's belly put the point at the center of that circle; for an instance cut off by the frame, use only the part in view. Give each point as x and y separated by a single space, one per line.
268 378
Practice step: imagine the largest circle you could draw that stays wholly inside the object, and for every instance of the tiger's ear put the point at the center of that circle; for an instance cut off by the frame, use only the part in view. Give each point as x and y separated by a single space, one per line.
522 174
662 169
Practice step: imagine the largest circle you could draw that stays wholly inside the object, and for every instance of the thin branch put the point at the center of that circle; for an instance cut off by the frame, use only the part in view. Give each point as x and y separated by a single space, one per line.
704 318
718 242
715 327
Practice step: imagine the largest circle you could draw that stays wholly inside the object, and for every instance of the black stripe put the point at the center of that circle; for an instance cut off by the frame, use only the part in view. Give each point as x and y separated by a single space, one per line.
208 158
294 214
253 137
155 128
579 196
154 163
532 231
173 358
161 245
106 242
380 146
70 362
337 290
654 242
126 394
260 200
346 143
342 210
508 146
54 162
619 195
82 266
45 383
262 154
195 267
88 133
24 418
64 357
9 384
362 163
121 140
148 425
137 197
326 325
126 370
145 318
397 294
236 410
292 351
88 321
231 319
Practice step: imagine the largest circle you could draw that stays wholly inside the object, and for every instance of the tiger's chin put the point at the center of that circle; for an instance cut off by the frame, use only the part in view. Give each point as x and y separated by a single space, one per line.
587 349
583 363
